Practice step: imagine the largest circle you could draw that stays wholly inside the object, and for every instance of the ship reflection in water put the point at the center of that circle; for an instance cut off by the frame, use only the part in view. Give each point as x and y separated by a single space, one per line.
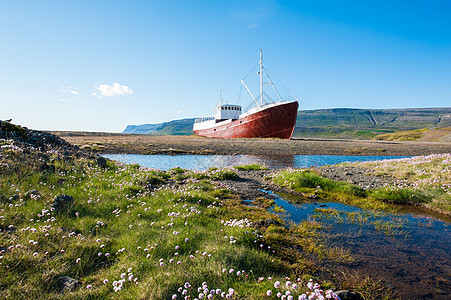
204 162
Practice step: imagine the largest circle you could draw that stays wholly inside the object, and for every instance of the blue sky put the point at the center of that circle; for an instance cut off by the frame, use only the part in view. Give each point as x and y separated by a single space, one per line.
101 65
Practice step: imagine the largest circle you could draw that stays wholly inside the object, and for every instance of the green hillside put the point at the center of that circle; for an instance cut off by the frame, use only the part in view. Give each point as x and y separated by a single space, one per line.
176 127
333 123
367 123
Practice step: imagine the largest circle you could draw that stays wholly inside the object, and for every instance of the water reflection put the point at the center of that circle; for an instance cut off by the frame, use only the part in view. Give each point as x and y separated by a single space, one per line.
411 250
204 162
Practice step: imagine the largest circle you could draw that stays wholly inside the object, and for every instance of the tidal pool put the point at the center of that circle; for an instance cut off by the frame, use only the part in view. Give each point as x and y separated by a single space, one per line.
409 250
204 162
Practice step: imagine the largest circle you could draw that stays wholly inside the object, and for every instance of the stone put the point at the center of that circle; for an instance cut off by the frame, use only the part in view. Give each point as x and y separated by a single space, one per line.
101 162
266 223
47 168
259 223
62 202
67 284
427 296
269 222
349 295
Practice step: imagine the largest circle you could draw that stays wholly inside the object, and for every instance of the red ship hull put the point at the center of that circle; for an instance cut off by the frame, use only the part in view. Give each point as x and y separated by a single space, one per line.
276 121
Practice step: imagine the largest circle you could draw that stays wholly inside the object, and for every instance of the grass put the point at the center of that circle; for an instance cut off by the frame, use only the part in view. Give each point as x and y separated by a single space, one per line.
251 167
410 135
132 232
307 181
422 180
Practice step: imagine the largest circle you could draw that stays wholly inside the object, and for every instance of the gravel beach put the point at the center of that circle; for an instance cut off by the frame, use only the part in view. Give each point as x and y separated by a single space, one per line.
152 144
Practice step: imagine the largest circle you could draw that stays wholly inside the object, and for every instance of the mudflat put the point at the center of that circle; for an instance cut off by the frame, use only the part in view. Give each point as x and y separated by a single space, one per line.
170 144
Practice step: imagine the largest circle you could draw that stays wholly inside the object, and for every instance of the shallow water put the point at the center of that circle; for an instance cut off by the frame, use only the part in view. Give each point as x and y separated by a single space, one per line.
204 162
409 250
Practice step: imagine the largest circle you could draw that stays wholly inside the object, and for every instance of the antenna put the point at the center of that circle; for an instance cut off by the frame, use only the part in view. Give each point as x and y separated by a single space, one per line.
261 77
220 97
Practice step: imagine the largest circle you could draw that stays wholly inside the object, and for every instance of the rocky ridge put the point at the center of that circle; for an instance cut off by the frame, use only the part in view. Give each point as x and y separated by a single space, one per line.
28 139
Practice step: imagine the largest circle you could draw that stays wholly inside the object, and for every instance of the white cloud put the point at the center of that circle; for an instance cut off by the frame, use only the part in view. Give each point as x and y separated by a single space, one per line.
64 100
114 90
69 89
179 111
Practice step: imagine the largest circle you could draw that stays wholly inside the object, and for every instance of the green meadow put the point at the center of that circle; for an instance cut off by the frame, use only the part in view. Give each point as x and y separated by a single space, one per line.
127 232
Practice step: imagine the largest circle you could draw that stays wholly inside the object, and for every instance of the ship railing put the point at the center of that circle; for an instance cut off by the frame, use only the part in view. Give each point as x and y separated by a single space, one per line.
200 120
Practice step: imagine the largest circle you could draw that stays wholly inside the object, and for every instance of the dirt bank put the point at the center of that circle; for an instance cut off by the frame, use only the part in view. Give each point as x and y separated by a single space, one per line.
150 144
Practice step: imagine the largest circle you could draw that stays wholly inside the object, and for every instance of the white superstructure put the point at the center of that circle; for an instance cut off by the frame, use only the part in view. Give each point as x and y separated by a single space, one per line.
227 111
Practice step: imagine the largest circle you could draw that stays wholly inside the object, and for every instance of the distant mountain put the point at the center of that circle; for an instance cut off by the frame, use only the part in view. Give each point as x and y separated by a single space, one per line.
367 123
332 123
176 127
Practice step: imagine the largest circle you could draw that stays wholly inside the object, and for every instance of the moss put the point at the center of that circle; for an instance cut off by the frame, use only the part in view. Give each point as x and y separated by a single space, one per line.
308 181
400 196
251 167
177 170
18 130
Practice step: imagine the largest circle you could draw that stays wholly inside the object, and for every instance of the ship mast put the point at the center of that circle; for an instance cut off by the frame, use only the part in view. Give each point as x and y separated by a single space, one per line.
261 71
261 77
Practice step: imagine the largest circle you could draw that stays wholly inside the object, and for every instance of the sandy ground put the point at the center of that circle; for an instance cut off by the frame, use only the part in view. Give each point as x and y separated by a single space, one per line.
150 144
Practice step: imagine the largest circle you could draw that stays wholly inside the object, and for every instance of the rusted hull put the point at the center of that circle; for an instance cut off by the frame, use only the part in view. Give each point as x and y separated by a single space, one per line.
273 122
